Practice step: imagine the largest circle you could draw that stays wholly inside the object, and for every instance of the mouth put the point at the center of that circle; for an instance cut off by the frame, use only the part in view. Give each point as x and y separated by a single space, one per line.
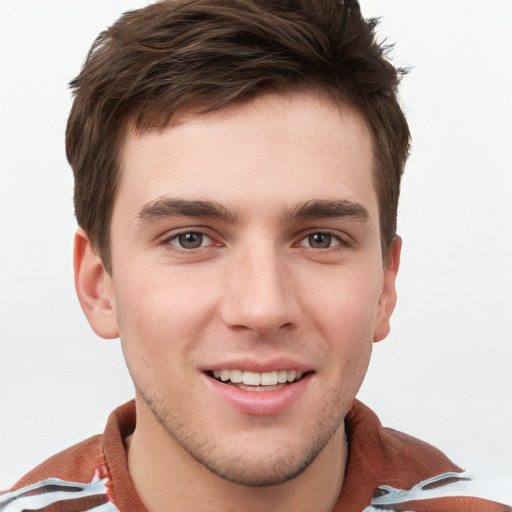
254 381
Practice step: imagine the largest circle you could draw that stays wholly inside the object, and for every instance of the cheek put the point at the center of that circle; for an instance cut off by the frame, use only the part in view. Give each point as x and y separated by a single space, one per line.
160 319
347 303
344 311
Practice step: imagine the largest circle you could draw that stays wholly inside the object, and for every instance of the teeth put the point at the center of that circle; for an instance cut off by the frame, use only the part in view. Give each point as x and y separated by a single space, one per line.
251 378
257 379
269 379
282 376
236 376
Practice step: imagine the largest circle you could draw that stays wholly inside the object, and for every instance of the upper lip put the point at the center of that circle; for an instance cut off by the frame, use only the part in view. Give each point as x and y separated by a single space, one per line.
259 366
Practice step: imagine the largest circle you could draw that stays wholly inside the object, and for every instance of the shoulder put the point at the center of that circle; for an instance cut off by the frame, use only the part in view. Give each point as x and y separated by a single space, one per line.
394 471
454 491
86 476
76 463
390 454
84 460
77 474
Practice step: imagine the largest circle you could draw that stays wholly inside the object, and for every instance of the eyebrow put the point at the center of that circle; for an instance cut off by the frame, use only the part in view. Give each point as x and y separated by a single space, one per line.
165 207
328 208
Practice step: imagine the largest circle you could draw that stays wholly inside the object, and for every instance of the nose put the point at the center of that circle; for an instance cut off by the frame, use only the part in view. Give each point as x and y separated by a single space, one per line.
260 295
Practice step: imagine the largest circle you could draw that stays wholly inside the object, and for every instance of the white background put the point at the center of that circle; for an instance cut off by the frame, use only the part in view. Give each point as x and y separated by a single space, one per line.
444 374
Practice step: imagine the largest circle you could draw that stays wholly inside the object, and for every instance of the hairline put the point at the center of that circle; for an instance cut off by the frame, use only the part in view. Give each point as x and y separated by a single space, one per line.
196 109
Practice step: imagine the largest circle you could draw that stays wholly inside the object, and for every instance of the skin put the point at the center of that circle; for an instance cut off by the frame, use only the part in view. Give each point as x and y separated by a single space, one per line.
265 284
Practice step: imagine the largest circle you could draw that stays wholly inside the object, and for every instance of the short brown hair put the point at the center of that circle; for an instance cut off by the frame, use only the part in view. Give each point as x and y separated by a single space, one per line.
175 53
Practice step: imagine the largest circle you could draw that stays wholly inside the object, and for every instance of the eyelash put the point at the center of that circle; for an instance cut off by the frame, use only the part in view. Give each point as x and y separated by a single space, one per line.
176 236
340 244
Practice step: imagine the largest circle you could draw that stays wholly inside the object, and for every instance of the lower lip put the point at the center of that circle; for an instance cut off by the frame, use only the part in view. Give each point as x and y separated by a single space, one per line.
260 403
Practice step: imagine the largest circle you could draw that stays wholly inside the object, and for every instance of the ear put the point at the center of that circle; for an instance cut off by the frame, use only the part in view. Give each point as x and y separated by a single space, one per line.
93 286
387 299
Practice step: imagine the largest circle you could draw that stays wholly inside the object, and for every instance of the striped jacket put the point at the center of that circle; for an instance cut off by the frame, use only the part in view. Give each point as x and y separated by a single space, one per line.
386 471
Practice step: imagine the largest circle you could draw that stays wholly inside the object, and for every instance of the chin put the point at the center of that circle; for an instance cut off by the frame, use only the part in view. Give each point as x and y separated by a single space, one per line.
251 460
248 471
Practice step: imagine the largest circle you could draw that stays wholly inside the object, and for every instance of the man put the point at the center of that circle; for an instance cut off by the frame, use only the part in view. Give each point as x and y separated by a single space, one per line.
237 169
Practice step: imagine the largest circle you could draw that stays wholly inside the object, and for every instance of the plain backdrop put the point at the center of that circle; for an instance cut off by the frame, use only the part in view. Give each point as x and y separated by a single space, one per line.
444 374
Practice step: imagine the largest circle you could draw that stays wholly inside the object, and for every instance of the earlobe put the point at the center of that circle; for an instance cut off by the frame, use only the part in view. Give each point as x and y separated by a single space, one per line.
387 299
94 288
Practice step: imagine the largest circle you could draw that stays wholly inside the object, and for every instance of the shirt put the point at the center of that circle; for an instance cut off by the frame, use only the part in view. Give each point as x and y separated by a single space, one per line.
386 470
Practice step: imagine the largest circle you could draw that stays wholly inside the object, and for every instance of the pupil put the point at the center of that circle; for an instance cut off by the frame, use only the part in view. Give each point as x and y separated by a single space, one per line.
191 240
320 240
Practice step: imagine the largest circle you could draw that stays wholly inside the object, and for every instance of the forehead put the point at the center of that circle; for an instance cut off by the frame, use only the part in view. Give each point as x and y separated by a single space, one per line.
272 151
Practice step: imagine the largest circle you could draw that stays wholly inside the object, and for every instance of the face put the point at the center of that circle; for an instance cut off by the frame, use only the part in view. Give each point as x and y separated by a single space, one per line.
248 283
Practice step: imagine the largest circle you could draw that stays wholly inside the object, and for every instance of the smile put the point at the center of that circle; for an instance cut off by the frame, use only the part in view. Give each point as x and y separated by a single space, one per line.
254 381
278 389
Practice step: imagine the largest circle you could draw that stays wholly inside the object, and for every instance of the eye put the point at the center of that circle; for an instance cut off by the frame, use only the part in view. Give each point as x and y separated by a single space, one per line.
320 241
190 240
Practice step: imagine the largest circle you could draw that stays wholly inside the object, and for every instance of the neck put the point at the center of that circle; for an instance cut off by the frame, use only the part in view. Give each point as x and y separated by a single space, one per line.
163 472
